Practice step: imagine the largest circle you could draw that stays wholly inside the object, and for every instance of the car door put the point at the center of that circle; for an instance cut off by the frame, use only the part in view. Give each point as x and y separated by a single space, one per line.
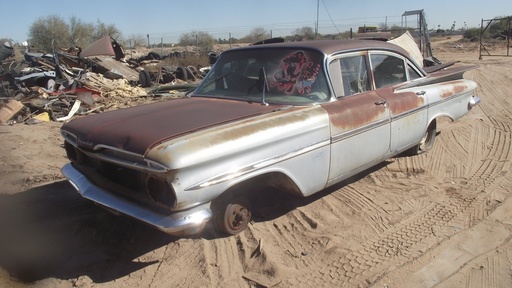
359 119
408 107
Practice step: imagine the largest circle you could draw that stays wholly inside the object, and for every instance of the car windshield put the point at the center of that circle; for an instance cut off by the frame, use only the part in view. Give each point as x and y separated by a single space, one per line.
270 75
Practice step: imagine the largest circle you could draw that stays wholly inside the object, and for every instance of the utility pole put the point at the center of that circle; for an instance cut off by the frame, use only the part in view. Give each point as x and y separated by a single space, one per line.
317 11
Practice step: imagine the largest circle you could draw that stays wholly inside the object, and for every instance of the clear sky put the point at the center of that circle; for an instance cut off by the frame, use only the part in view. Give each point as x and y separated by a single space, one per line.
168 19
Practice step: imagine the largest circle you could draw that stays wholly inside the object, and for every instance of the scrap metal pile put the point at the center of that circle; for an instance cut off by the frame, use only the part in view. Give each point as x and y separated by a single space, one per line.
57 86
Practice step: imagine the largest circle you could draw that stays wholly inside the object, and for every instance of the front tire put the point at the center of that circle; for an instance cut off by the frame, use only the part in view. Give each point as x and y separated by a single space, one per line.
232 214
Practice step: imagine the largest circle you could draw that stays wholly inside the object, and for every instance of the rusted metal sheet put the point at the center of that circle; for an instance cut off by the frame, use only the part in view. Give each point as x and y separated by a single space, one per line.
111 65
127 129
454 88
102 46
407 42
355 112
401 102
358 123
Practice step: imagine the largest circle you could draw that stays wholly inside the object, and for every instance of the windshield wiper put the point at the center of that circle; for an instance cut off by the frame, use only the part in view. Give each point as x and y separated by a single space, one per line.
262 82
217 78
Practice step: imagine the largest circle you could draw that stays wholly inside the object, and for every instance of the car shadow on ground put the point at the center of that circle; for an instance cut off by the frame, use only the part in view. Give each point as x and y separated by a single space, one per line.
51 232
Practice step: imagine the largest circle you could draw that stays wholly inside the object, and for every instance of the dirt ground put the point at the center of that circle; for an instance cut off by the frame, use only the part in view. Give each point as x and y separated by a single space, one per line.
441 219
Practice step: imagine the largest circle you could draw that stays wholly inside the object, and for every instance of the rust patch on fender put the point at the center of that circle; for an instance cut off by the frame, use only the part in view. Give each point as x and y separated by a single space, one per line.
453 89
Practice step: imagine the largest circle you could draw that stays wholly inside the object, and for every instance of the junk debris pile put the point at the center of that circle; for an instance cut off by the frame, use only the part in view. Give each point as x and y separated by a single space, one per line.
60 85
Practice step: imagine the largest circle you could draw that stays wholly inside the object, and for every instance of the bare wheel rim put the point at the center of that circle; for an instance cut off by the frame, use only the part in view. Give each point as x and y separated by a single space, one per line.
427 141
423 141
237 217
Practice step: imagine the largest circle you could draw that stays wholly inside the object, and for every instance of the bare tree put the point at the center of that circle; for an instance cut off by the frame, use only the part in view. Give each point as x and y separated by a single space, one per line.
81 33
203 40
304 33
256 34
136 41
102 29
49 32
383 27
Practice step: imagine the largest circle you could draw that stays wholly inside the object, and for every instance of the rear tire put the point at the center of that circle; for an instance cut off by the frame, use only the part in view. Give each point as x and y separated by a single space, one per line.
427 142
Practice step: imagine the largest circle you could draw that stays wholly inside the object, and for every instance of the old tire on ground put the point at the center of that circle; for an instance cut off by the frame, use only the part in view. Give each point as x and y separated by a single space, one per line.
181 73
427 142
144 78
232 214
192 73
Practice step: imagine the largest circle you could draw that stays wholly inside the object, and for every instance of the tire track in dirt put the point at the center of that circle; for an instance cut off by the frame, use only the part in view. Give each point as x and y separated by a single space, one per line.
179 256
489 270
473 257
356 200
483 275
493 268
288 232
488 150
497 154
225 257
490 160
453 147
403 242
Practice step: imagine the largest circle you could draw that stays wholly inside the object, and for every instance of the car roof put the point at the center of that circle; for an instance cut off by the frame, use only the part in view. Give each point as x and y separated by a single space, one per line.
330 47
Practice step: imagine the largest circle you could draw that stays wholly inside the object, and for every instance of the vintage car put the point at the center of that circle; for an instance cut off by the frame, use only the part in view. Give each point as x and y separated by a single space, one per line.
297 116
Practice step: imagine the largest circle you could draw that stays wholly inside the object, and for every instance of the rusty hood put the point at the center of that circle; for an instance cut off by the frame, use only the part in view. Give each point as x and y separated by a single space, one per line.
137 129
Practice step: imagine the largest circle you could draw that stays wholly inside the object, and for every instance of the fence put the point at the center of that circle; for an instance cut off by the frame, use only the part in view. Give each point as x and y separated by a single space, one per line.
482 31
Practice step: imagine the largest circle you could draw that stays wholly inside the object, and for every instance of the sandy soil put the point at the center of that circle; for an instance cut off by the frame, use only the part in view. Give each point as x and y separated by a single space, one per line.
440 219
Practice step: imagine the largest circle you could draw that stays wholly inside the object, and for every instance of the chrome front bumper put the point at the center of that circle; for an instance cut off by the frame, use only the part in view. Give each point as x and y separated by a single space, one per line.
182 223
474 101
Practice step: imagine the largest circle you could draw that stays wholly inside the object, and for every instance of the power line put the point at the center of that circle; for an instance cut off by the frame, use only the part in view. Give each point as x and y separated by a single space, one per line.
329 14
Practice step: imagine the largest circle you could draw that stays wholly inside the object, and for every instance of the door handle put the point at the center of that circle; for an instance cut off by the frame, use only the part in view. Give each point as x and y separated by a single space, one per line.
381 102
421 93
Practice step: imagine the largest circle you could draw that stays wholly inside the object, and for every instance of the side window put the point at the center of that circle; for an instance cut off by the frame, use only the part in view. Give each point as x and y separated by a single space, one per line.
413 74
350 75
387 70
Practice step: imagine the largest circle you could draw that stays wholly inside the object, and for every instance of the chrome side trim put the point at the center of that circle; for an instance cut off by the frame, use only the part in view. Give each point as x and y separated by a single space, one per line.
137 162
71 138
351 133
142 163
128 159
408 113
255 166
179 223
447 99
